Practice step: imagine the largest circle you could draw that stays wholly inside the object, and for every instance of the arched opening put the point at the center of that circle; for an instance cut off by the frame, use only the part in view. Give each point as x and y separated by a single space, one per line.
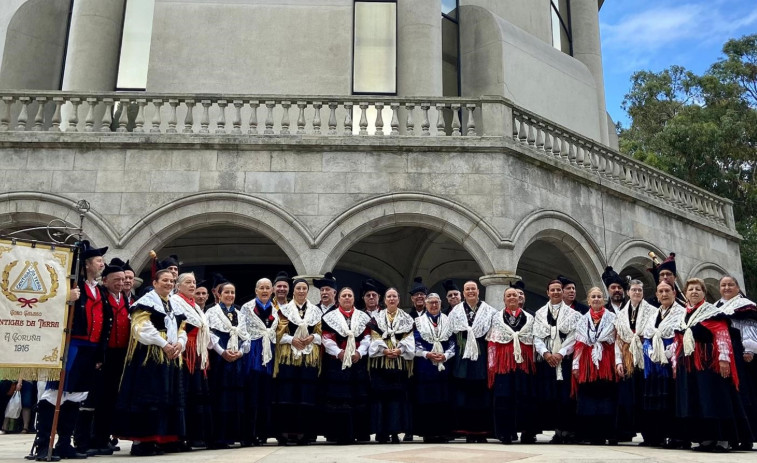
242 255
394 256
544 260
637 270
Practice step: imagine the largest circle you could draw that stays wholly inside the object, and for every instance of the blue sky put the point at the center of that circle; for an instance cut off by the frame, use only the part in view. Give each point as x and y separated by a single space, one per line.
655 34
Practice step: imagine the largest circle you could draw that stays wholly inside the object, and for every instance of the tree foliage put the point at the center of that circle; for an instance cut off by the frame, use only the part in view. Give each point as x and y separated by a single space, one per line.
703 129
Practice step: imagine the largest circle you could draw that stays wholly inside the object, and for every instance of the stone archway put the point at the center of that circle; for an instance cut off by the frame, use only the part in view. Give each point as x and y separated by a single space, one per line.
711 273
631 259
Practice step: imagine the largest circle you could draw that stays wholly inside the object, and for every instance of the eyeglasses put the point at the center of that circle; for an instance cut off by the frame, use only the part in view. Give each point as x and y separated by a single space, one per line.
666 274
636 290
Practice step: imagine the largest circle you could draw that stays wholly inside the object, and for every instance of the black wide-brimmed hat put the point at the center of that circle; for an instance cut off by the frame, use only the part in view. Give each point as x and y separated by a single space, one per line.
610 276
450 285
88 251
120 263
418 286
328 281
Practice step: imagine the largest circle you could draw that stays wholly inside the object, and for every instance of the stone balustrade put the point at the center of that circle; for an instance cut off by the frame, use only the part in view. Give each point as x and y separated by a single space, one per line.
352 116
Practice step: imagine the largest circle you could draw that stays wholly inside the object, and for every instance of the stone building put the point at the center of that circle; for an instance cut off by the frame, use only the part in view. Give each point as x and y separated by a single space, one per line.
441 138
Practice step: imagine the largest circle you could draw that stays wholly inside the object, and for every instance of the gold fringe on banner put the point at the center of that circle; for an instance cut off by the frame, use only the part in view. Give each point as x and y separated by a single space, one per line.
30 374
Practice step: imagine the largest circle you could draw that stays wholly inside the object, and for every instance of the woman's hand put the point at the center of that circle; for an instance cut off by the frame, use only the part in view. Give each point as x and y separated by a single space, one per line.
172 350
575 374
620 370
748 357
725 369
355 358
298 343
230 356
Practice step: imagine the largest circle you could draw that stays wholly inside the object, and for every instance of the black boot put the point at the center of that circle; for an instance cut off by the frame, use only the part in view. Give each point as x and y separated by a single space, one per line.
66 425
45 414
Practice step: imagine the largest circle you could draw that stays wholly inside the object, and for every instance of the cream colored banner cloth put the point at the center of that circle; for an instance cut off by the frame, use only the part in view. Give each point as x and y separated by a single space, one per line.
34 289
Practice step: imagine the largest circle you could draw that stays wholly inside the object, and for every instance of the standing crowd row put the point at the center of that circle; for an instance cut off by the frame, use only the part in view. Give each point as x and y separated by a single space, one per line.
170 373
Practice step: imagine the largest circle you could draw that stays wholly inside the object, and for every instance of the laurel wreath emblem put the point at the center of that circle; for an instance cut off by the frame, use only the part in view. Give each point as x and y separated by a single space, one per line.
13 298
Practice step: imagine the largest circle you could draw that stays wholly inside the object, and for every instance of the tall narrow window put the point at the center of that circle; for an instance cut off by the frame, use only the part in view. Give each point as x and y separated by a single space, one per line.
135 45
450 48
374 66
562 37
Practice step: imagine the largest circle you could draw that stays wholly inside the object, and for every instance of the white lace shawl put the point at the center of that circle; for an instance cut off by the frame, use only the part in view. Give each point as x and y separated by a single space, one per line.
645 319
567 319
666 330
257 329
434 335
403 324
481 324
217 320
704 312
154 301
313 315
338 323
502 333
196 317
605 333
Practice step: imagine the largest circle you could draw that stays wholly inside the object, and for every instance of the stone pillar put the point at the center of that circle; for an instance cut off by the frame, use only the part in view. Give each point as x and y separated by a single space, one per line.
419 48
496 284
587 49
93 45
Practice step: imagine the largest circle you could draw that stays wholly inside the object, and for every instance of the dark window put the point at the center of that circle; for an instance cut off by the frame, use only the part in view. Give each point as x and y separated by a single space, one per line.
562 37
450 48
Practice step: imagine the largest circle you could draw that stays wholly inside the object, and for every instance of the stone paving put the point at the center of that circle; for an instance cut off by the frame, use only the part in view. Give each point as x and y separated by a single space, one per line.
14 446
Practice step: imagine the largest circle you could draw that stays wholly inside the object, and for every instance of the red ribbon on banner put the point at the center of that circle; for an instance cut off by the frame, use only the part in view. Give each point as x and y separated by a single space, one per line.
27 302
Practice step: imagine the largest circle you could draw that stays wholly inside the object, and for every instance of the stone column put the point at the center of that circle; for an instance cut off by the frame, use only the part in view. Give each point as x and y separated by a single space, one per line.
496 284
587 49
93 45
419 48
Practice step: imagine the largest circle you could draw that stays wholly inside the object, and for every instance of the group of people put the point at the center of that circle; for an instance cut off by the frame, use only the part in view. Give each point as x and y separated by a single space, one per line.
170 371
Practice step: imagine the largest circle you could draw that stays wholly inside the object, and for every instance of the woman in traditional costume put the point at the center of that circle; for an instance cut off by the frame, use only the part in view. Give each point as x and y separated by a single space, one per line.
512 371
743 313
298 363
554 339
391 353
226 374
260 320
199 418
344 382
594 372
435 346
150 405
471 399
707 382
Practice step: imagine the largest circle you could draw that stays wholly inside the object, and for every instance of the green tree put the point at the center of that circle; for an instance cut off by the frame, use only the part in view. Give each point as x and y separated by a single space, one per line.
703 129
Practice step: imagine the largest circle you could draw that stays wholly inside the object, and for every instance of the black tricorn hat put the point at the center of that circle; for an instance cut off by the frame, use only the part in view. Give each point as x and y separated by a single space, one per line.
120 263
610 276
449 285
170 261
218 279
369 285
418 286
668 264
328 281
282 276
111 269
565 281
88 251
518 285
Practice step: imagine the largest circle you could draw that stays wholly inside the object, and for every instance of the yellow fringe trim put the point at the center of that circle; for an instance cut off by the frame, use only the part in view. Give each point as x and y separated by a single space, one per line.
154 353
387 363
30 374
284 354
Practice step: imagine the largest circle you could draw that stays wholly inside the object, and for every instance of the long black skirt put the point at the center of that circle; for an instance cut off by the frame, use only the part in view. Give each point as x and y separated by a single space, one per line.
150 404
199 411
556 408
596 408
228 403
344 401
388 399
295 399
514 404
431 400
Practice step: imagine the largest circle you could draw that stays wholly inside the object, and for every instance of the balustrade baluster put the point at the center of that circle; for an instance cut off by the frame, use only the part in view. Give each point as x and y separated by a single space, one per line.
363 119
107 120
471 125
285 117
253 124
565 148
55 120
139 122
522 130
172 117
547 142
5 119
221 122
395 119
269 118
332 117
516 127
157 120
301 117
379 125
348 121
425 125
317 117
23 116
39 119
556 145
237 122
205 116
531 137
441 128
539 138
580 155
189 118
89 119
409 123
73 121
572 152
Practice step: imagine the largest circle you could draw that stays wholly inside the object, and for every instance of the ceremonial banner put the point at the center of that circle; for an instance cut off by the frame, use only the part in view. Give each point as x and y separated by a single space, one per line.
34 288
